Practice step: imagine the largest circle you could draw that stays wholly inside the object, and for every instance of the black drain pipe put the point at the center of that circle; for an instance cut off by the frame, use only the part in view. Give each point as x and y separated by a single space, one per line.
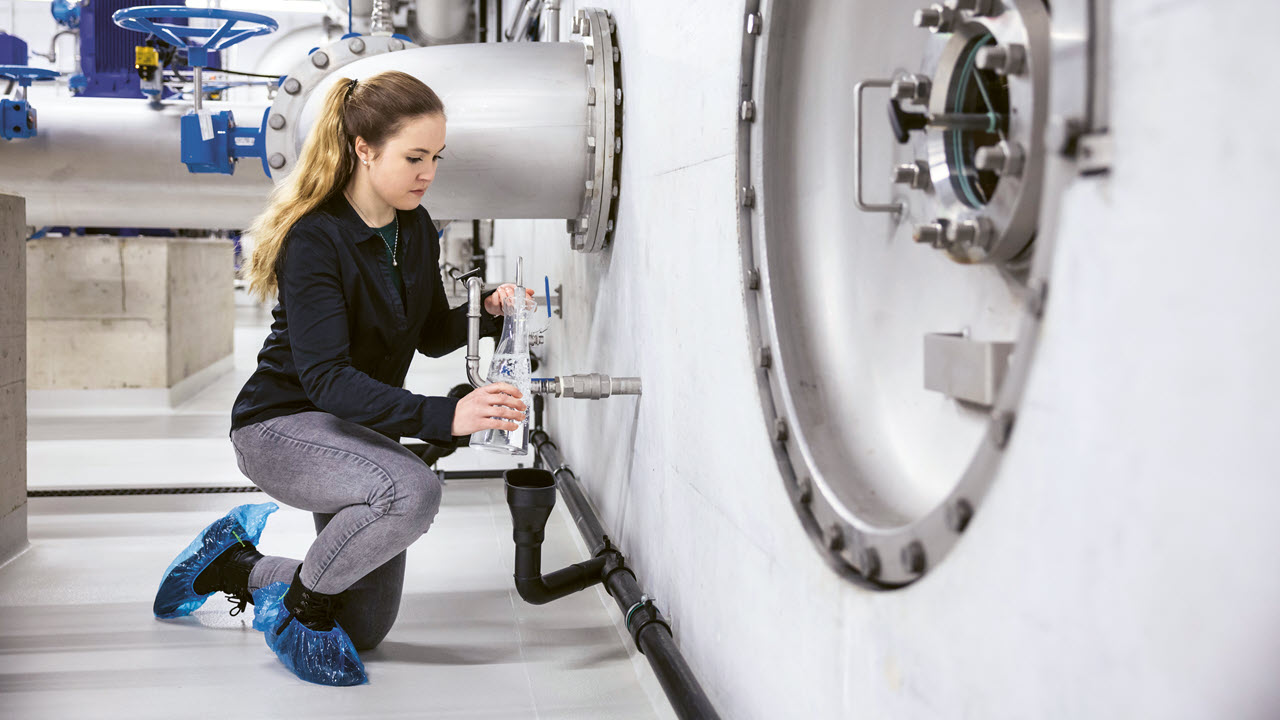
648 629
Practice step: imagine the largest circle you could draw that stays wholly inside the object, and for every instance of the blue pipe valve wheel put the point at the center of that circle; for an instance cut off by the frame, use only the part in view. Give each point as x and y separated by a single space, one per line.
211 143
17 117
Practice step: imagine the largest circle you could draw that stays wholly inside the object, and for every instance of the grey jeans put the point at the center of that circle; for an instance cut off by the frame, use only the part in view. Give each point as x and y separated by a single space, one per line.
371 499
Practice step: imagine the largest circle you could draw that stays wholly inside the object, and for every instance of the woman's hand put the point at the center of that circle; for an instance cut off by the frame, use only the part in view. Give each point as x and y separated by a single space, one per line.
483 408
493 303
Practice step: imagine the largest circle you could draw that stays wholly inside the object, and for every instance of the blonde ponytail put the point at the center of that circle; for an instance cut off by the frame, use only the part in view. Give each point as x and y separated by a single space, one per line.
324 167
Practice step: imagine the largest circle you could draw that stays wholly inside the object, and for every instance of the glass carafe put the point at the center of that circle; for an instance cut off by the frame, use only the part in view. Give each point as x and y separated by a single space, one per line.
511 365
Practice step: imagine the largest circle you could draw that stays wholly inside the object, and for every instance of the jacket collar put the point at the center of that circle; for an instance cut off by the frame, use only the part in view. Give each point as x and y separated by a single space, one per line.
340 208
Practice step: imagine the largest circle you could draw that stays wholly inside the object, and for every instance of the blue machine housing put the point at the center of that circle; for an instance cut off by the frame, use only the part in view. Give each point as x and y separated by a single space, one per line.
107 51
228 145
13 51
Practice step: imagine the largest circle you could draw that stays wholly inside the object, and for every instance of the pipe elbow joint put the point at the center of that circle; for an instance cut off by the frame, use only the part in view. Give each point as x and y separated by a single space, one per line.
542 589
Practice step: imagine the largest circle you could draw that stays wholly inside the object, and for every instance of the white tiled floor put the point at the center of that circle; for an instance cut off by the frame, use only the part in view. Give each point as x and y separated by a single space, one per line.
77 638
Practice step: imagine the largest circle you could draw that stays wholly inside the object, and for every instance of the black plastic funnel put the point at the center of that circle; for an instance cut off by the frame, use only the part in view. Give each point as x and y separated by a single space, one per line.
531 494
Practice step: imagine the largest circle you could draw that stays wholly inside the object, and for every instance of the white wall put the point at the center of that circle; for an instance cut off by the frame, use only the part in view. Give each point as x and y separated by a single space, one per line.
1123 564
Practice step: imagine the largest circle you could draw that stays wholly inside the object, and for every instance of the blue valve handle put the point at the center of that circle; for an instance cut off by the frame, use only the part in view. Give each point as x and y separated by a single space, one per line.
146 18
26 75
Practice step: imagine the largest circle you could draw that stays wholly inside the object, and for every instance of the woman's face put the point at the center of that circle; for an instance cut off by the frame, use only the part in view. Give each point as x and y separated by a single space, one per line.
406 166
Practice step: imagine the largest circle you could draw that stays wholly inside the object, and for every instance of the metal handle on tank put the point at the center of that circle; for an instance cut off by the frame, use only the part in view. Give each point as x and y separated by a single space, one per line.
896 207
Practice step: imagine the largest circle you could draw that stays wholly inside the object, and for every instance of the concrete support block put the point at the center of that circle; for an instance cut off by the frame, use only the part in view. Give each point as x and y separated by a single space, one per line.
110 313
13 377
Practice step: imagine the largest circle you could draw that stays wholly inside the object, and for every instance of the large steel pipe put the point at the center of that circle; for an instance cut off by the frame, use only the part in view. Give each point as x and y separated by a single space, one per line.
517 131
102 162
517 145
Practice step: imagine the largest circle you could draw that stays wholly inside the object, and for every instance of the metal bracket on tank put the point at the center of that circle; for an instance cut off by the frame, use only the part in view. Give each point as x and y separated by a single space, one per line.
593 229
282 126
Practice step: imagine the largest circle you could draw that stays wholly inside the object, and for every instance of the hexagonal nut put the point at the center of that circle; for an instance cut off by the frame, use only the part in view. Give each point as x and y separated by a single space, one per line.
977 233
935 18
914 175
1003 158
911 88
1002 59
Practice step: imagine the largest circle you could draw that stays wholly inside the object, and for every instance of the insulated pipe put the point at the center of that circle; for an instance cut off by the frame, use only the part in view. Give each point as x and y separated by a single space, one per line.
106 162
517 146
517 131
648 629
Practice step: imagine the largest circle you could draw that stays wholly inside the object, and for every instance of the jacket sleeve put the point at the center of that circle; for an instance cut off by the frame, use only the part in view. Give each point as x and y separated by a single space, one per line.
446 329
314 304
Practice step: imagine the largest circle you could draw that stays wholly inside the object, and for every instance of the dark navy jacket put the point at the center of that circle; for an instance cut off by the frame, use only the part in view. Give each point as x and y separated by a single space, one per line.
342 338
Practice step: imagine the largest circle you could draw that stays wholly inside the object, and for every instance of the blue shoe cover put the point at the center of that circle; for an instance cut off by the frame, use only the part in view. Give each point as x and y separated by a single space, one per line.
326 658
177 596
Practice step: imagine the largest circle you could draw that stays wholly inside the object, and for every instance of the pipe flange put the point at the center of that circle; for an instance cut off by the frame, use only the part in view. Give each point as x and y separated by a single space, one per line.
593 229
284 118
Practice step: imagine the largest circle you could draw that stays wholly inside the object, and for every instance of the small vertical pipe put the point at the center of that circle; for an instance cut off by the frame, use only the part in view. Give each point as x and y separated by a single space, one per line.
199 91
552 20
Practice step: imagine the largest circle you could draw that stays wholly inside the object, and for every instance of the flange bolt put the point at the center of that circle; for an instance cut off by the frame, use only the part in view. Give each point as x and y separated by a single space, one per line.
1003 158
1002 59
936 18
975 233
934 233
916 175
911 88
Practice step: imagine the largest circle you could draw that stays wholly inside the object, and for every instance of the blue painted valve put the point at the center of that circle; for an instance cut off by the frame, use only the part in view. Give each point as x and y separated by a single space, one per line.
17 117
211 142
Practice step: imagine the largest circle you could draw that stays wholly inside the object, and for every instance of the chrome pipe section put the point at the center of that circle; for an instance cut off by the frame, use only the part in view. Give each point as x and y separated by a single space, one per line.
475 286
106 162
524 18
551 20
589 386
197 95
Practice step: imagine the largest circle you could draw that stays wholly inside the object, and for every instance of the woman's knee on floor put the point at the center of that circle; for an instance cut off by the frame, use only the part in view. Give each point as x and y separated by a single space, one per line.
368 631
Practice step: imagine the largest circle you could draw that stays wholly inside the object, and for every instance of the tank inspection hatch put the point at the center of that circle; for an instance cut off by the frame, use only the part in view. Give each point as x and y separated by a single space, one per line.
891 178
